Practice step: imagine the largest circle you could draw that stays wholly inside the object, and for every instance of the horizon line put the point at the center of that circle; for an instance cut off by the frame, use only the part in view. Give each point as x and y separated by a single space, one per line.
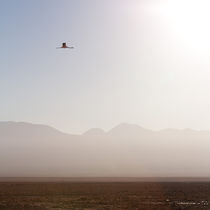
107 131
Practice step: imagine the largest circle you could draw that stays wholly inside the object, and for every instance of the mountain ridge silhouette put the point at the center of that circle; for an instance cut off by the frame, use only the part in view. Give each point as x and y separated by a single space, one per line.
33 150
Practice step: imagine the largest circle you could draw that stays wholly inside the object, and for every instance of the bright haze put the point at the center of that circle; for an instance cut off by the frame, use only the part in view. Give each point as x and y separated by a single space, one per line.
126 150
144 62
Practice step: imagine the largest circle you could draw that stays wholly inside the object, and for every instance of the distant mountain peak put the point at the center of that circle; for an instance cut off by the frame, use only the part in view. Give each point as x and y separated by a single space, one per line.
127 129
128 125
28 128
94 132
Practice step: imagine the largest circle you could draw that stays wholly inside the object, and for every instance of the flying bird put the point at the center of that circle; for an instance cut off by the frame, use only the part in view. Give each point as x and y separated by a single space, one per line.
64 46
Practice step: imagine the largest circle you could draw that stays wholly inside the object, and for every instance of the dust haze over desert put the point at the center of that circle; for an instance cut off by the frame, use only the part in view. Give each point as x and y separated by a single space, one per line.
127 150
144 63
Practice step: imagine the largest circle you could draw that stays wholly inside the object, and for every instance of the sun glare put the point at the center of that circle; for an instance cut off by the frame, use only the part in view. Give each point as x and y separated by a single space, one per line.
189 19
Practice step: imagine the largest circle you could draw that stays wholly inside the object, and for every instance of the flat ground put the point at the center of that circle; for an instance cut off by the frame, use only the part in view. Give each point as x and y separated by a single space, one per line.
104 195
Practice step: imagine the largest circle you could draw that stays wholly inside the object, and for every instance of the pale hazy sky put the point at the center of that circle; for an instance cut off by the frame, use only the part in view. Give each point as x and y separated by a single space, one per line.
138 61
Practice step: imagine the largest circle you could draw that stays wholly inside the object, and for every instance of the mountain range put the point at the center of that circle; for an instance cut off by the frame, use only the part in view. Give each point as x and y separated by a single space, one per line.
127 150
